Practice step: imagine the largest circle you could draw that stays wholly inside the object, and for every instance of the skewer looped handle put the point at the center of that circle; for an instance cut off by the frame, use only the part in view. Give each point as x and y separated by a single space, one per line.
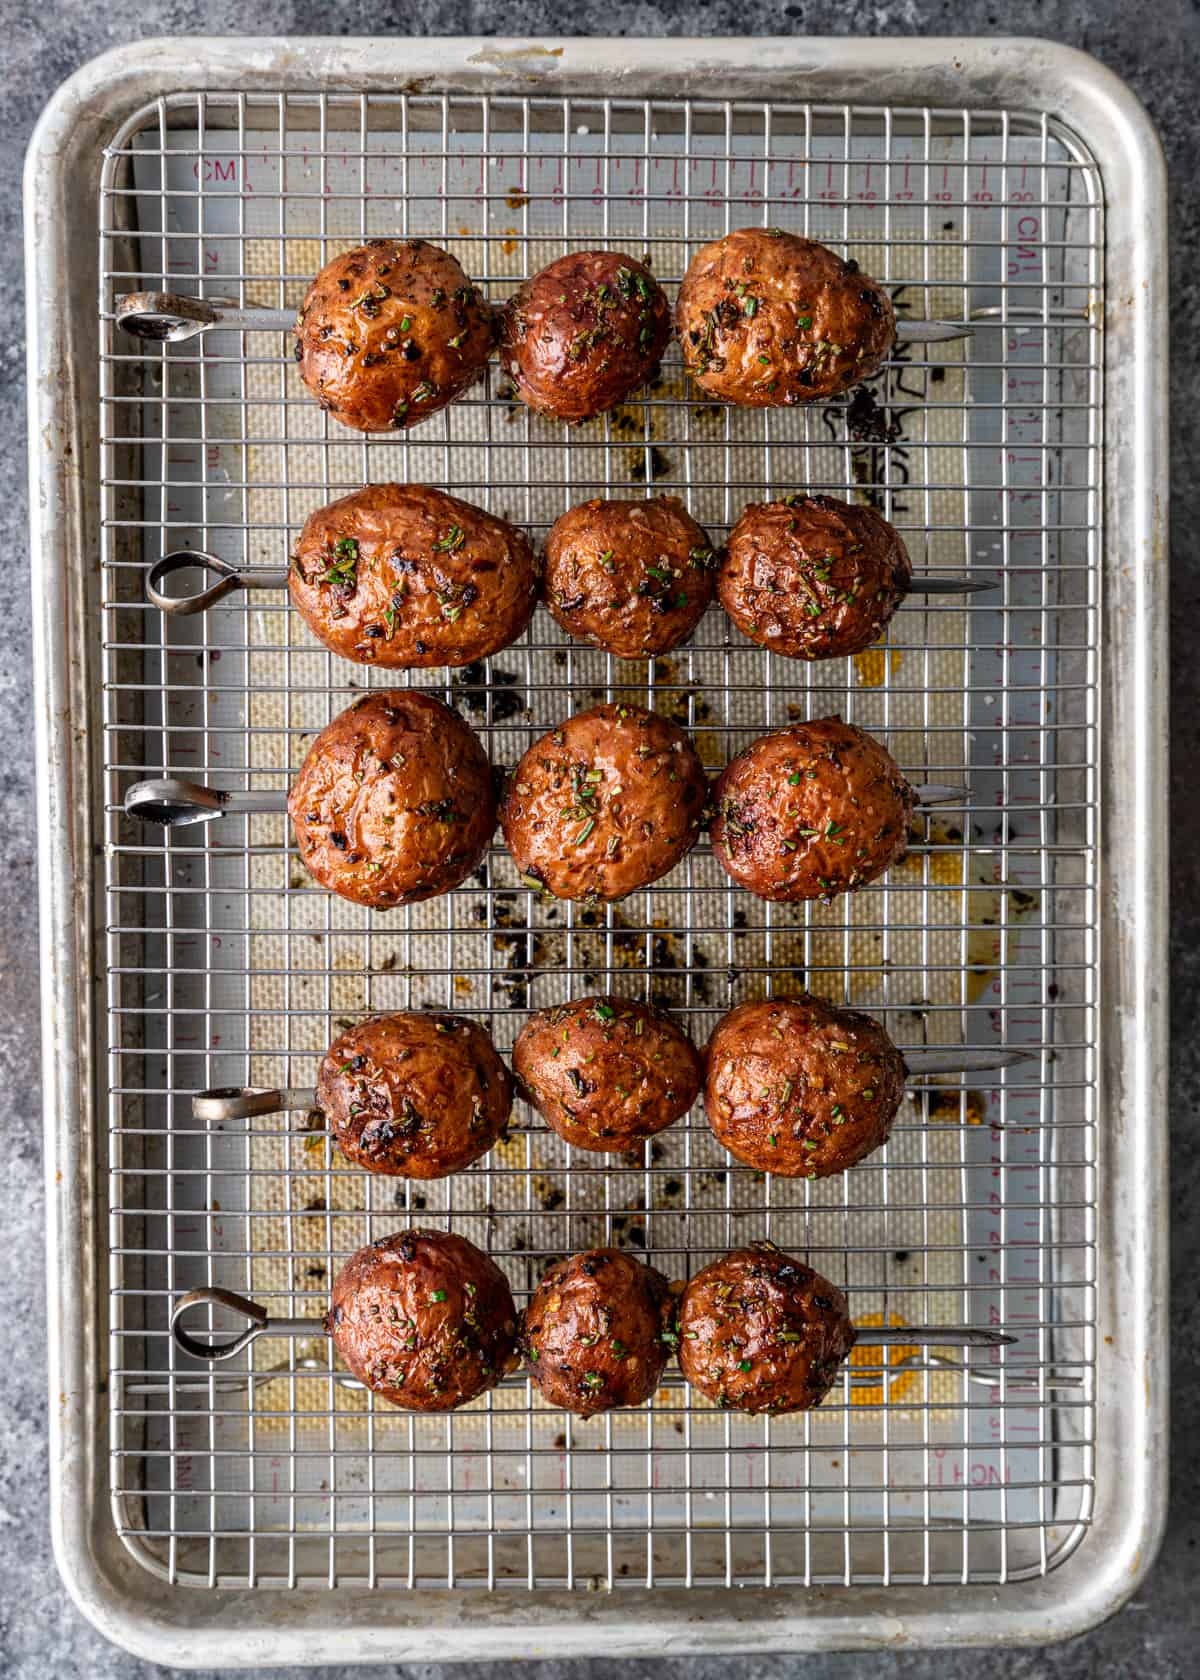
171 317
228 579
243 1102
260 1324
174 802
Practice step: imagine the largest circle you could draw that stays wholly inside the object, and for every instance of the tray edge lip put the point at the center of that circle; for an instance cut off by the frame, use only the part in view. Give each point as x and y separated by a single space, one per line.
1109 118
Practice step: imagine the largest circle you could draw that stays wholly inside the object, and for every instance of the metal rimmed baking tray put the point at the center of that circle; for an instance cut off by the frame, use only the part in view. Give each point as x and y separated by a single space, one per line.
206 1520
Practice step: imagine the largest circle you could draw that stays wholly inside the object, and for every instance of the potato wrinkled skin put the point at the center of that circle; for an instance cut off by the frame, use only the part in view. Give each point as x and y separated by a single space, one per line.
606 1072
759 1331
799 1088
605 804
395 802
391 332
810 811
414 1095
404 576
424 1319
766 318
813 577
596 1333
632 578
577 338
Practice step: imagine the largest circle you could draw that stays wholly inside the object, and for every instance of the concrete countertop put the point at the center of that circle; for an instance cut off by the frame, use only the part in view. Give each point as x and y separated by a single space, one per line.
1156 48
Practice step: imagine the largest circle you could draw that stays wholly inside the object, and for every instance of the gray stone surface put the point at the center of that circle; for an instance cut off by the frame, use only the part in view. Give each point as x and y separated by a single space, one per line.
1157 49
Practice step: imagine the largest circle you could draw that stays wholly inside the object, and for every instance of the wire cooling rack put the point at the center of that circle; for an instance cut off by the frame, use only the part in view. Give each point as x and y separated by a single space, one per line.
227 967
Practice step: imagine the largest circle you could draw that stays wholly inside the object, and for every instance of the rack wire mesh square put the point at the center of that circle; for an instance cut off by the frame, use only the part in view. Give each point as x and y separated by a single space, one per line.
227 967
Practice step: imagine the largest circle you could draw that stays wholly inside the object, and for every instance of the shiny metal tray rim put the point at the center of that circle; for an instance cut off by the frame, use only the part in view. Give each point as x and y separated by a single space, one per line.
240 1629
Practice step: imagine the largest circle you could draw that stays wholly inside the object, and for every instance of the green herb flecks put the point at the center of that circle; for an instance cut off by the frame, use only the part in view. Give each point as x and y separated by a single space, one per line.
455 537
342 568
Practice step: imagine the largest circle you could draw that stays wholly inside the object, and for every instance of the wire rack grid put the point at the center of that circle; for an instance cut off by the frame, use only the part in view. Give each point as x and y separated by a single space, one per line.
227 967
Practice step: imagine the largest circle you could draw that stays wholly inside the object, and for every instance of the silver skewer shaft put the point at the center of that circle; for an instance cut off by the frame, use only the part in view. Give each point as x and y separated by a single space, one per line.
171 317
922 1063
941 793
246 1101
930 1335
1029 315
915 331
911 331
933 583
174 802
228 579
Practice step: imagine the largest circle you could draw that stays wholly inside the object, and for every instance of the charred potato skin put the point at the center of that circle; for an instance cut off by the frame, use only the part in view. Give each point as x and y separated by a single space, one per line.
414 1095
632 578
810 811
759 1331
799 1088
605 804
605 1072
391 332
395 801
403 576
577 338
596 1334
812 577
424 1319
766 318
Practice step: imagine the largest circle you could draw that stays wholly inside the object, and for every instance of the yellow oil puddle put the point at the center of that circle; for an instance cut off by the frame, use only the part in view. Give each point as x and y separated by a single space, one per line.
955 1107
873 665
893 1384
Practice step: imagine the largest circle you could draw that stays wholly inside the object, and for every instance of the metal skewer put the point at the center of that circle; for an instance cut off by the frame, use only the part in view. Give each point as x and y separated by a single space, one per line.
172 317
247 1102
175 802
925 1063
229 579
916 331
912 331
260 1323
941 793
933 583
